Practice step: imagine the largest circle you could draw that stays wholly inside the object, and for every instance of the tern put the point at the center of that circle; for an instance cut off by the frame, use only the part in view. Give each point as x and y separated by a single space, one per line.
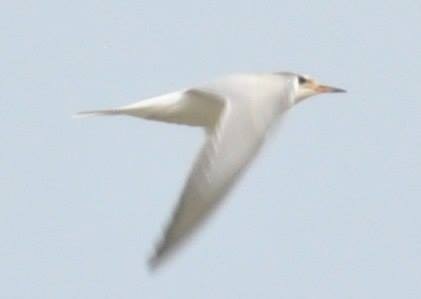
237 112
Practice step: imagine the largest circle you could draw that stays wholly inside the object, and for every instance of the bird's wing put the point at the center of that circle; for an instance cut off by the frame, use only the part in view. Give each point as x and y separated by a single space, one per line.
229 148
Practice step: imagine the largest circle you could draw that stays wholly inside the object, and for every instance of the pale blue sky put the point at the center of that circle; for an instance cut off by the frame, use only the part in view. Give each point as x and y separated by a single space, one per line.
331 209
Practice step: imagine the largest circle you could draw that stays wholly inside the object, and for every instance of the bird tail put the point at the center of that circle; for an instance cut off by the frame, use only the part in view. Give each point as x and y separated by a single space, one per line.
97 113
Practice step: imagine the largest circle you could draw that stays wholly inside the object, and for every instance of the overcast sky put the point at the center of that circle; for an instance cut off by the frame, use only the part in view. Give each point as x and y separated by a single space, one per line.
331 208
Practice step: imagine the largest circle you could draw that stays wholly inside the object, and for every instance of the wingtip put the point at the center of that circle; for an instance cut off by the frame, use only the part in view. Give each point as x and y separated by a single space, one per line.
153 264
158 258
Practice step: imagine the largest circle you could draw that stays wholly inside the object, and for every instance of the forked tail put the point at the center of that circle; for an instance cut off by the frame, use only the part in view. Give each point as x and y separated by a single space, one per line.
97 113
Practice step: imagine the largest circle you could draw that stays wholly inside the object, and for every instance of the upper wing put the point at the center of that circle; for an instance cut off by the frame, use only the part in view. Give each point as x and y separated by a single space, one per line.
229 148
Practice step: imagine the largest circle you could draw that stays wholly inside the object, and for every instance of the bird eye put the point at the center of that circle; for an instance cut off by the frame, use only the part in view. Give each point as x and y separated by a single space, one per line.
301 80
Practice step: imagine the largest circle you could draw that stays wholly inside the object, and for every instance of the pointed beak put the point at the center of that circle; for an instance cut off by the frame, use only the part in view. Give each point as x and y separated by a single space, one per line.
327 89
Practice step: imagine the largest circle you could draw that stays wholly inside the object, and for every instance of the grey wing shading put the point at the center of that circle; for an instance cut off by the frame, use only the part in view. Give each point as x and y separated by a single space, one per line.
229 148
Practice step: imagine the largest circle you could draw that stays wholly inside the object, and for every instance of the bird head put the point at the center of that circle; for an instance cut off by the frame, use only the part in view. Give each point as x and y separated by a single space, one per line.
307 87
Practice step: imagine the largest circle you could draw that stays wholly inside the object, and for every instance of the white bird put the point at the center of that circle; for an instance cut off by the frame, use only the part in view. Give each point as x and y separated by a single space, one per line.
236 111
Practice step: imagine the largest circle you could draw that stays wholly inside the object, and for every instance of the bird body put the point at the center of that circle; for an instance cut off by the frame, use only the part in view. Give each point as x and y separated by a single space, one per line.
236 112
189 108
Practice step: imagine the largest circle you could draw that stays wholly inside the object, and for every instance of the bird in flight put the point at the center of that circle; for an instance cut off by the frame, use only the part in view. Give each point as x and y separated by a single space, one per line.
236 111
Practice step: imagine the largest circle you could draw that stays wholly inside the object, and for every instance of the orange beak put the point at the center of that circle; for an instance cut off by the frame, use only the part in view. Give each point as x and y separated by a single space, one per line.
326 89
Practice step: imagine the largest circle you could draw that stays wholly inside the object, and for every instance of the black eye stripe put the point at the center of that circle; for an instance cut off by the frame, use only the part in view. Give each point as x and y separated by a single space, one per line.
301 80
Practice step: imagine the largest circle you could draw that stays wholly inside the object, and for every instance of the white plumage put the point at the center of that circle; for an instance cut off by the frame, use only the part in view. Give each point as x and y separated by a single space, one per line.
236 111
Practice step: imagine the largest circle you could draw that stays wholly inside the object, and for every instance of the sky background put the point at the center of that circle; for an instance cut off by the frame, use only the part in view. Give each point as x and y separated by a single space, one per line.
330 209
